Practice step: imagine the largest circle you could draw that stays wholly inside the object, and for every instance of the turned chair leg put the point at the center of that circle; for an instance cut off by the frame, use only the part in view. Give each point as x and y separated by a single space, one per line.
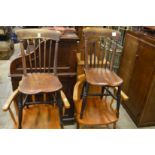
85 93
102 92
59 103
118 99
77 125
82 91
27 106
20 110
114 125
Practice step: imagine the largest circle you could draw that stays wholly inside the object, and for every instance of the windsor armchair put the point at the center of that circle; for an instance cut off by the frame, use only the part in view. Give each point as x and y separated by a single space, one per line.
39 75
98 113
100 50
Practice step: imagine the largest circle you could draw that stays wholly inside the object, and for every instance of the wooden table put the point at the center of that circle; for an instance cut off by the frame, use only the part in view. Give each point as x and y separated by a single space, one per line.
66 59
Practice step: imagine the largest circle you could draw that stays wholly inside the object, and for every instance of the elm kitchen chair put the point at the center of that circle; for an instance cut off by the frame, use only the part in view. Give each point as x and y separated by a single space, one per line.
39 76
100 50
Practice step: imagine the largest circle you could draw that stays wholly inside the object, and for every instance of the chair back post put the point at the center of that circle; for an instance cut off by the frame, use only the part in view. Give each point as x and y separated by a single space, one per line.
23 59
55 58
113 55
86 54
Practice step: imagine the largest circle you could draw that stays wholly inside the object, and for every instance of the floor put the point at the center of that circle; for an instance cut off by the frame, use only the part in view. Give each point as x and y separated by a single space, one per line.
125 122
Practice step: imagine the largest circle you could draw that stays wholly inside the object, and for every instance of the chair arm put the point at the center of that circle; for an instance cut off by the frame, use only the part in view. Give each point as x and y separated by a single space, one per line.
123 95
9 100
65 100
76 92
81 77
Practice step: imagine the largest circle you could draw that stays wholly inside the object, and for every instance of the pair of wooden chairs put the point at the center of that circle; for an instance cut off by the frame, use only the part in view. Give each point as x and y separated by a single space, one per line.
91 108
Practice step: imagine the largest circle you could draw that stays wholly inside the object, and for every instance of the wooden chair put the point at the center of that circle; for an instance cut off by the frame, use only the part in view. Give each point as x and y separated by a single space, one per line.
97 112
100 49
39 75
36 116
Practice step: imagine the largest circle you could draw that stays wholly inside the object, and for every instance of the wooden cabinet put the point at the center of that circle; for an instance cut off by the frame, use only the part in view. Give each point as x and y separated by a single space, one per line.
137 68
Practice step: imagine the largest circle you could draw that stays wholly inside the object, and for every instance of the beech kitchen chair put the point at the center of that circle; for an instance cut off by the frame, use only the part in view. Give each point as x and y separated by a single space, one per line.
39 74
100 50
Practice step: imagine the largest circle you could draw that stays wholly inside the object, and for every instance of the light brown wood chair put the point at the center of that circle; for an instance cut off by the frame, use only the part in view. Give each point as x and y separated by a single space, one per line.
100 50
98 112
39 74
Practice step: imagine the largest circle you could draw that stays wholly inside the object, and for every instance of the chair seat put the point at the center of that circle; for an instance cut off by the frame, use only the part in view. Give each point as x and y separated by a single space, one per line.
97 112
39 82
102 77
41 117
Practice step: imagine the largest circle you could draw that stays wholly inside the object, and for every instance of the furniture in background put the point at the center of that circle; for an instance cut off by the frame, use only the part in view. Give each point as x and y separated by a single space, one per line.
6 45
66 70
122 30
98 66
149 30
137 69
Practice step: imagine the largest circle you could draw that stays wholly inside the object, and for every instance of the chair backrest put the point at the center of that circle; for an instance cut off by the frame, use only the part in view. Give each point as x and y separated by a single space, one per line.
100 47
41 50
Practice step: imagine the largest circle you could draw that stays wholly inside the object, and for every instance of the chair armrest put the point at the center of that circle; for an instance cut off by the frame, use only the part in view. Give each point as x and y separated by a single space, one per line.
81 77
123 95
76 92
65 100
9 100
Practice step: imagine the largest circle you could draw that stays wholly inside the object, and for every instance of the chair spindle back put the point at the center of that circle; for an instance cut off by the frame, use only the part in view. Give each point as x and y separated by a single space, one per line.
41 49
100 47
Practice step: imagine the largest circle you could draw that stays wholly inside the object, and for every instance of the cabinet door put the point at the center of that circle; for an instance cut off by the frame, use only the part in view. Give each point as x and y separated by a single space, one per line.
128 60
148 115
141 78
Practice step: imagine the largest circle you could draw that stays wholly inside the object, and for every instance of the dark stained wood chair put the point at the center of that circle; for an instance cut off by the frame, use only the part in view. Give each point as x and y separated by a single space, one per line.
100 50
39 75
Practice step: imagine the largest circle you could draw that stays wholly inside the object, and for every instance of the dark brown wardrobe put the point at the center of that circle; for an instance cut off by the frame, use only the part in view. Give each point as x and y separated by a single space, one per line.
137 68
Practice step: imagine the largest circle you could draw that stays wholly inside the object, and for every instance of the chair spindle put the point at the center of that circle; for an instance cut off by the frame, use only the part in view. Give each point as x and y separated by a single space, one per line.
28 51
44 55
50 53
113 54
23 59
40 54
55 58
35 58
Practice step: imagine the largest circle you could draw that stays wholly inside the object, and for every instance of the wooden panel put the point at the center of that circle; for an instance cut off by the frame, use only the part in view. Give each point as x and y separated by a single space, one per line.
141 78
137 69
128 60
148 117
